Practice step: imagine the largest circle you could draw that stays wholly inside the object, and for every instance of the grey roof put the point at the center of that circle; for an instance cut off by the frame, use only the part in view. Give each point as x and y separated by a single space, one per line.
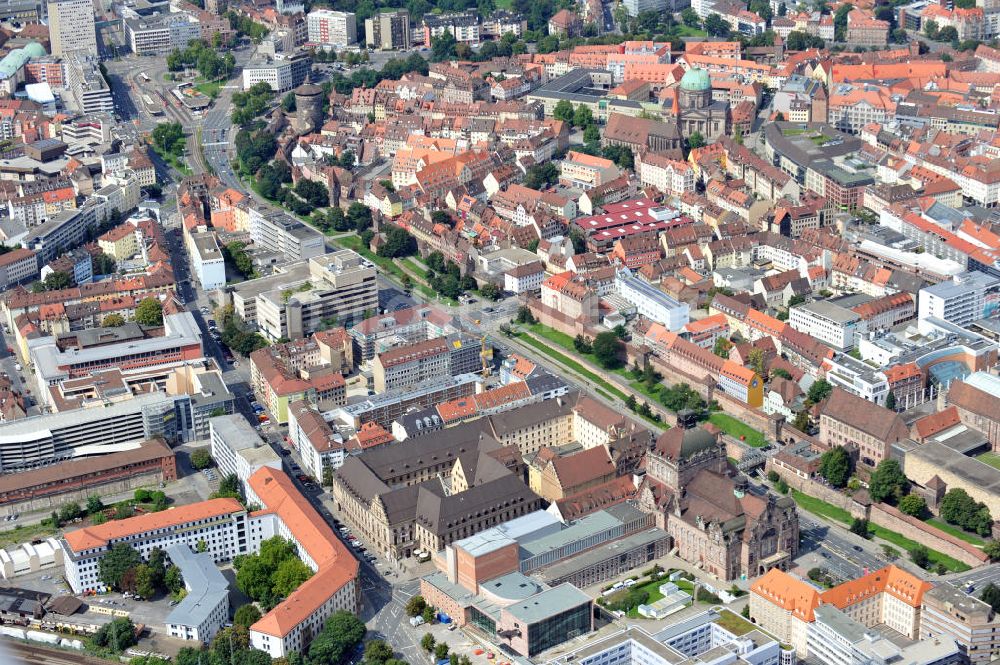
409 456
549 603
972 472
207 587
569 567
503 424
438 512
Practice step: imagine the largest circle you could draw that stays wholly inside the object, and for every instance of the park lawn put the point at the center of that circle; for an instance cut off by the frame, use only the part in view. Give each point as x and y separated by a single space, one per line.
956 531
737 429
992 459
687 31
569 363
209 88
415 267
822 508
898 539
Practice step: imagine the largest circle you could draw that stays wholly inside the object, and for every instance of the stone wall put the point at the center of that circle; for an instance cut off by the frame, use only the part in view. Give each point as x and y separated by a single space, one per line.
56 501
915 529
818 490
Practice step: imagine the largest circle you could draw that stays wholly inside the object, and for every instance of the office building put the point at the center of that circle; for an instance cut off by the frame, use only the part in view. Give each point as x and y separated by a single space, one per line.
405 326
831 324
161 34
834 638
205 609
128 347
968 297
331 28
40 440
404 366
279 232
651 302
90 91
282 71
388 30
391 405
222 529
339 286
17 266
71 27
947 611
237 448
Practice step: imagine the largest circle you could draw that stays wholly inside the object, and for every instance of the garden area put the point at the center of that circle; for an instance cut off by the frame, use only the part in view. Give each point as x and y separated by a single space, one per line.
738 429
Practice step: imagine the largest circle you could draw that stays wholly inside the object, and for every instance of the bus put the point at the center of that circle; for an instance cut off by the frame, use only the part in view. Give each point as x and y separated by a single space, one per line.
144 77
152 107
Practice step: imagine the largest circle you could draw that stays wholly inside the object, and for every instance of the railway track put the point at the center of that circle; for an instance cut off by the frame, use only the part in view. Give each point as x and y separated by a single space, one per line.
12 651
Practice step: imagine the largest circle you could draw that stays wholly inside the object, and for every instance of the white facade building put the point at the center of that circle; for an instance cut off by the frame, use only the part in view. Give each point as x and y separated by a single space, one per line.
71 26
651 302
207 262
967 298
831 324
237 449
205 609
331 28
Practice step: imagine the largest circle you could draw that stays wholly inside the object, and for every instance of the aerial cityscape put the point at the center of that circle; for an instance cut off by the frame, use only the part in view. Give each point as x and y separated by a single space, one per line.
565 332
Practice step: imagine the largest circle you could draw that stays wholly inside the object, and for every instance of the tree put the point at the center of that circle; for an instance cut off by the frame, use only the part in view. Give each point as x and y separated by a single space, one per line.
755 359
490 291
117 635
443 46
840 22
398 243
201 458
859 527
992 549
377 652
524 315
441 651
780 372
347 160
607 346
58 280
113 321
835 465
427 642
819 391
931 28
541 176
991 596
563 111
246 615
721 347
583 116
630 402
957 507
801 421
913 505
592 135
69 512
168 138
291 573
288 103
415 606
94 505
172 579
145 581
716 26
696 140
890 401
428 614
920 556
690 18
113 565
887 482
800 41
149 312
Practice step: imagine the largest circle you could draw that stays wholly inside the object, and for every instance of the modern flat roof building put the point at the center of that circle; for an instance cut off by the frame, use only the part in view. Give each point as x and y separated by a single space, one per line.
71 26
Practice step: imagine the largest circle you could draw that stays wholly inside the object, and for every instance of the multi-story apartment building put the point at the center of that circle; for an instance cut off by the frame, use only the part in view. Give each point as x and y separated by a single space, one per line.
388 30
850 421
237 449
946 611
17 266
977 398
205 609
331 28
670 176
464 26
320 446
71 27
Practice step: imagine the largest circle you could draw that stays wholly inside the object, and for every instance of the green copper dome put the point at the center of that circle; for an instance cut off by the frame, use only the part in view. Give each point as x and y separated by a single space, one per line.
696 80
35 50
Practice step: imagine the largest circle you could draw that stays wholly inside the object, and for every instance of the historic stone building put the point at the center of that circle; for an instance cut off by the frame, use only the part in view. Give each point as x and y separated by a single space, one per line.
695 111
710 514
